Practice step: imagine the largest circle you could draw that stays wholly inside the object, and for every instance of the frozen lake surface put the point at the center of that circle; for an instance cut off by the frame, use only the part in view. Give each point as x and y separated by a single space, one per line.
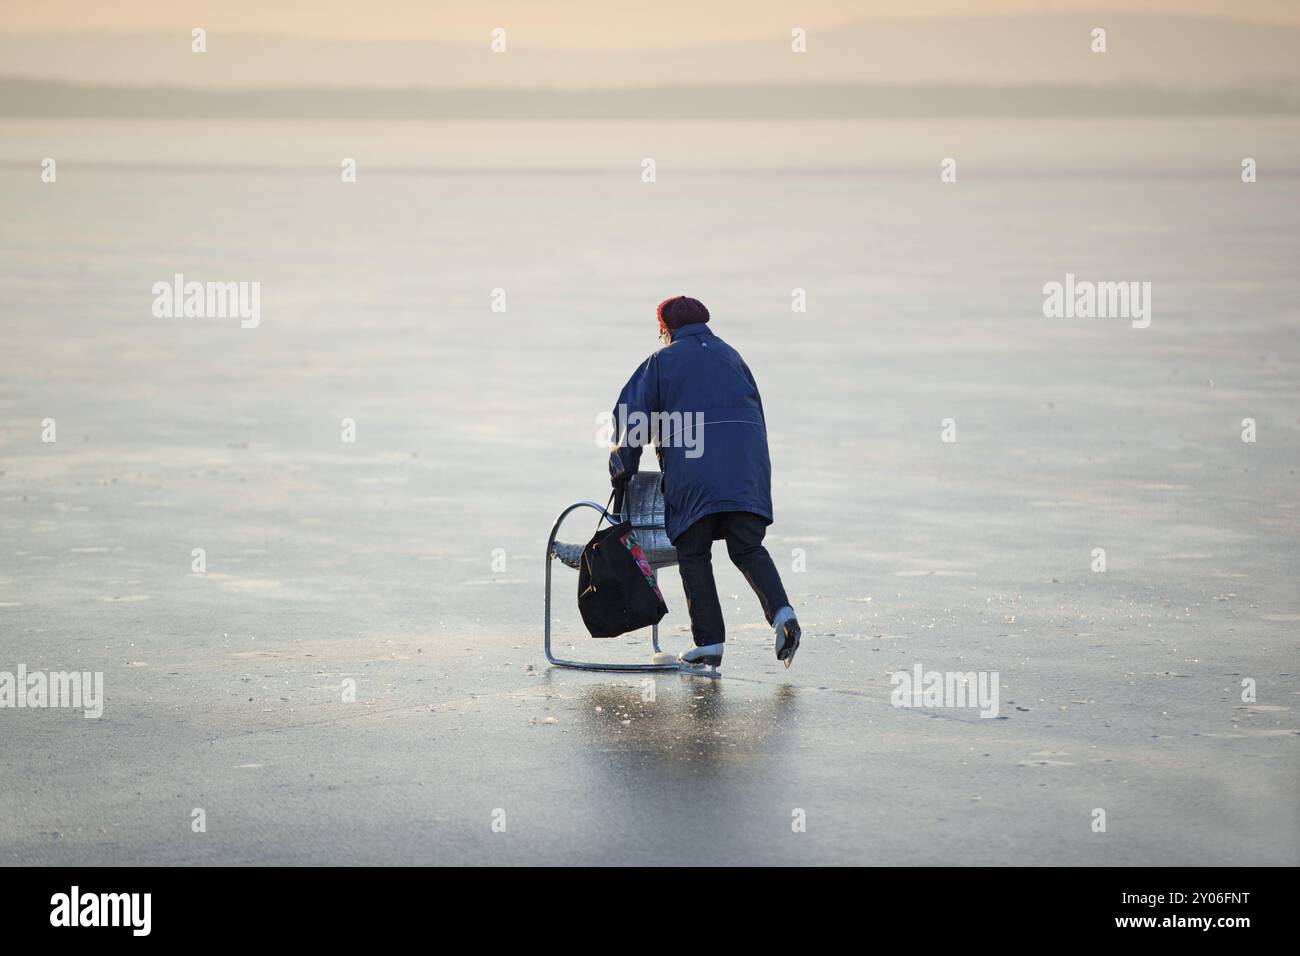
373 561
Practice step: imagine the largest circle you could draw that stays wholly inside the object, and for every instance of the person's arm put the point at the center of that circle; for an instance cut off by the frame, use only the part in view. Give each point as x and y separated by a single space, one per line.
636 403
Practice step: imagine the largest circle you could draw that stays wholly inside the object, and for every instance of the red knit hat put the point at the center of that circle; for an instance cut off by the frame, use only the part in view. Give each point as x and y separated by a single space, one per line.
681 310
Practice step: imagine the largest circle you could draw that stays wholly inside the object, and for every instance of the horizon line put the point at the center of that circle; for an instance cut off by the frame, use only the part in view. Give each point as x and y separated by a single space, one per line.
769 101
413 39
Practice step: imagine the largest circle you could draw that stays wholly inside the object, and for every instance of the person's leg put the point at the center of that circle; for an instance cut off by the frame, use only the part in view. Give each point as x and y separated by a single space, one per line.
744 533
695 561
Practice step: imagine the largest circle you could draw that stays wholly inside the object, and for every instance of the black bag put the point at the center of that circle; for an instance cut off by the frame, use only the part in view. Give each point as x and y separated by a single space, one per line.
617 591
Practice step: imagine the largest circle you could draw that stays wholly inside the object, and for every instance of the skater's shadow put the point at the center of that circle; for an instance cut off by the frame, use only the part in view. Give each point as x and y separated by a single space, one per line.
691 722
681 765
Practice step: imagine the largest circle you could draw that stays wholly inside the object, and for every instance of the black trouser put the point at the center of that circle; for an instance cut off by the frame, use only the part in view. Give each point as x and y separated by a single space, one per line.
743 533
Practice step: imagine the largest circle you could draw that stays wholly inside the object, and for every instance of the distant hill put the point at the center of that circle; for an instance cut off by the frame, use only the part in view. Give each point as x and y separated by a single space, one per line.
1165 51
751 102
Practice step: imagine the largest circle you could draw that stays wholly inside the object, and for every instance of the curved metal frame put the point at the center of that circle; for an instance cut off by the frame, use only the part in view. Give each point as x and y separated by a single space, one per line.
591 665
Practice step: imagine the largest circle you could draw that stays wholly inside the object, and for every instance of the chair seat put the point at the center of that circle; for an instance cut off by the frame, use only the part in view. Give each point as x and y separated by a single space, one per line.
568 554
644 504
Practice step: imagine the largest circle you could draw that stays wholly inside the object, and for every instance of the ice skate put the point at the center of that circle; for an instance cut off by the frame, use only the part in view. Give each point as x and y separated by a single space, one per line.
787 635
704 661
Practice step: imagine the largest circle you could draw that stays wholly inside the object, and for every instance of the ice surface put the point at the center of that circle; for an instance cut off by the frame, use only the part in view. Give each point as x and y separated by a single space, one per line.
410 562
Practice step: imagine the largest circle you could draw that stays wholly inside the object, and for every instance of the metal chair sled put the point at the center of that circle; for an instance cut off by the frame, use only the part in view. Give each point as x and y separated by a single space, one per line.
644 504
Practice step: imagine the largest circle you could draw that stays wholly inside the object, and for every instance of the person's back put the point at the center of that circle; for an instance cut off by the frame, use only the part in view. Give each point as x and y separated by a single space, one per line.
698 402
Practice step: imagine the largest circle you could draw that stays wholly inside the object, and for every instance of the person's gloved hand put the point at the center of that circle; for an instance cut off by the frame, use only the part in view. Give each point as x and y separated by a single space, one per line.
617 472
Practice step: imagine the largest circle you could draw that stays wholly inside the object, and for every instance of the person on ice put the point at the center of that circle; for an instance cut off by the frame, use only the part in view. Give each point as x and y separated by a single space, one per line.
710 437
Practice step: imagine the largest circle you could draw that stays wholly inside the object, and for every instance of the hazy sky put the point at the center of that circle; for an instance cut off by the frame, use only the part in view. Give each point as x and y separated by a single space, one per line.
564 23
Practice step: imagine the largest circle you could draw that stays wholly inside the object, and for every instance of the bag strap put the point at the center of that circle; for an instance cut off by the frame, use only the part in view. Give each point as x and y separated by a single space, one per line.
605 512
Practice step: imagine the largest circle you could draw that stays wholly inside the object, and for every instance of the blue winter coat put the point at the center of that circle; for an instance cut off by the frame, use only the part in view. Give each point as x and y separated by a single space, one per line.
712 445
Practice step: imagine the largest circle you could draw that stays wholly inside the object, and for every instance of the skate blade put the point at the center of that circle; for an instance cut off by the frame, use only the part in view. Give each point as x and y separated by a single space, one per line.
698 670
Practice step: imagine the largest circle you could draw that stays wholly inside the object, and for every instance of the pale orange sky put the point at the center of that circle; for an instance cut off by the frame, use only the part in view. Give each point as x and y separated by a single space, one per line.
558 23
